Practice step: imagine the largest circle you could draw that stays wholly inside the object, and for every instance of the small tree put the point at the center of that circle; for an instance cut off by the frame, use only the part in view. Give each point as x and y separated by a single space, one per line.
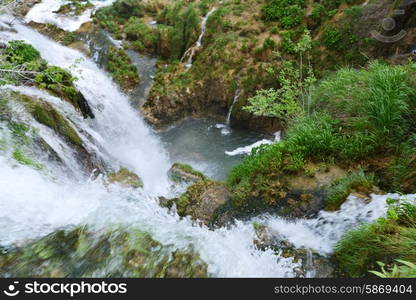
293 96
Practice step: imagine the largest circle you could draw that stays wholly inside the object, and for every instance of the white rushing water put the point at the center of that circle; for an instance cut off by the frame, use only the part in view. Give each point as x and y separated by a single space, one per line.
191 51
34 203
247 149
230 111
117 126
44 12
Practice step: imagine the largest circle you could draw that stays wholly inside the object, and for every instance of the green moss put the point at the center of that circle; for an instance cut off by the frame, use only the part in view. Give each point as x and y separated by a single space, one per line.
20 131
19 52
45 114
112 253
56 33
126 178
189 203
76 7
185 173
342 188
19 156
190 196
122 69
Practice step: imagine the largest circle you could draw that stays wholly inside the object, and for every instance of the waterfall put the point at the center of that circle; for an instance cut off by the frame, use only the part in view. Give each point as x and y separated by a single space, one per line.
43 12
34 203
115 118
230 111
191 51
225 128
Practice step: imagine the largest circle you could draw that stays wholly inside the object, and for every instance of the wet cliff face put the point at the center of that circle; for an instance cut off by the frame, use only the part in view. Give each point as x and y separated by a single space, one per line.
240 48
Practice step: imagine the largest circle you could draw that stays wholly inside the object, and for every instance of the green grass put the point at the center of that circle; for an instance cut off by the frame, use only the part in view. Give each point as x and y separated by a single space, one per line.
339 191
390 238
122 69
356 116
178 26
404 269
376 101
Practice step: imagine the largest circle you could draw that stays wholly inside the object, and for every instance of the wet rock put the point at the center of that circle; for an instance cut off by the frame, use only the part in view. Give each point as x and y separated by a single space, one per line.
297 195
113 253
312 263
45 113
21 8
84 106
181 173
201 200
126 178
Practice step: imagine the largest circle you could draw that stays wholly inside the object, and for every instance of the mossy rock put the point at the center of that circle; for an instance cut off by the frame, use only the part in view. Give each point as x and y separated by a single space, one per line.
201 200
55 33
126 178
112 253
309 260
180 173
74 7
27 138
56 80
47 115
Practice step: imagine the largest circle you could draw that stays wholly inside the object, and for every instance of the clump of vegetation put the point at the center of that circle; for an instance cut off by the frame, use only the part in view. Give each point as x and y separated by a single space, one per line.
45 114
185 173
289 13
387 240
121 69
292 98
401 173
126 178
22 136
354 115
177 29
82 252
75 7
339 191
52 31
23 159
18 52
404 269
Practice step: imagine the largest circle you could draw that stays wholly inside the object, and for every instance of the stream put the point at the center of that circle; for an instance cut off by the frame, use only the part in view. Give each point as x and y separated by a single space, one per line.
35 203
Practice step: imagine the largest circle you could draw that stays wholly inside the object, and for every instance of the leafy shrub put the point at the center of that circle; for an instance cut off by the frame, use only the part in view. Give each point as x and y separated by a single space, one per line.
272 103
290 13
19 52
338 39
